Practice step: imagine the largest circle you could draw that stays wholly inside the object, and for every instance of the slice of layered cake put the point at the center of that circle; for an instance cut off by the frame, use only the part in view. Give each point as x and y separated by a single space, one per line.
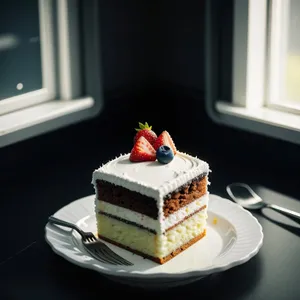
152 201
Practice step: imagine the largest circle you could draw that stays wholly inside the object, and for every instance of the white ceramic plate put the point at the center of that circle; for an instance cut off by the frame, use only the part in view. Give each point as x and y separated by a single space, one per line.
234 239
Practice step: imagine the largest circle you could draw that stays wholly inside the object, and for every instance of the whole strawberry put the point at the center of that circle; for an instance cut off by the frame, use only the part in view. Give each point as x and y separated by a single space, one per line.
146 131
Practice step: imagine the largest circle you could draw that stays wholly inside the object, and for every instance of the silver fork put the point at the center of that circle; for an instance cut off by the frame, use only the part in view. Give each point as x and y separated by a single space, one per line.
93 245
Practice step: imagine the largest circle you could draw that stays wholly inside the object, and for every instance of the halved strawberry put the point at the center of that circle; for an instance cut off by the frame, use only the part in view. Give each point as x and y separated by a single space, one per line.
165 139
142 151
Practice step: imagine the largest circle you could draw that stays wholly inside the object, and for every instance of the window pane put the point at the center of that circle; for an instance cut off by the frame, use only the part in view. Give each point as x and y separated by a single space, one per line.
20 54
292 81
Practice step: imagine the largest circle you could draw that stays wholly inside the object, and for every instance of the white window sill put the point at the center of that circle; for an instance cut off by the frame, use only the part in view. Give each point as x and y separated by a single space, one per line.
270 122
29 122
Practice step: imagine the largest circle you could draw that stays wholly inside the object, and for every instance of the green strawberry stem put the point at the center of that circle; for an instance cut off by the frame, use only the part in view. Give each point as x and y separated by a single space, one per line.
143 126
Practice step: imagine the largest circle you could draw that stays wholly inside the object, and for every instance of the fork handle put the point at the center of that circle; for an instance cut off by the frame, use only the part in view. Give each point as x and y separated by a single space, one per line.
60 222
287 212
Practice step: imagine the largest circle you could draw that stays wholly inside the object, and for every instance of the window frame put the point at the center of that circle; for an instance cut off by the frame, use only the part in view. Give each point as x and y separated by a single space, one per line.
250 77
77 97
48 90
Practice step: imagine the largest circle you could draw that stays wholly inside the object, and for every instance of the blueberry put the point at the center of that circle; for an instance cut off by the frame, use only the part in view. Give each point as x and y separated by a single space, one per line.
164 154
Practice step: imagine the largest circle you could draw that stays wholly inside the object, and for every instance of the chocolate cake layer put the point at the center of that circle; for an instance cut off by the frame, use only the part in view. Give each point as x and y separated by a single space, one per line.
187 194
134 201
123 197
156 259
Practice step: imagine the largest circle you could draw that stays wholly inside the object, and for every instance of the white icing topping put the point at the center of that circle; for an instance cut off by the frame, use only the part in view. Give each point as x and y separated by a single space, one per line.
148 222
151 178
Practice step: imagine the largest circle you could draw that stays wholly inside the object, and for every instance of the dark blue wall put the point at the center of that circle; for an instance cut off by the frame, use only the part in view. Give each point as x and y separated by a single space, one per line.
124 43
181 43
145 42
149 42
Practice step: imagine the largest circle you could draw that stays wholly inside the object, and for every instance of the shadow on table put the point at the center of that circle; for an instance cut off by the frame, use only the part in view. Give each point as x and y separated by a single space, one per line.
282 221
230 284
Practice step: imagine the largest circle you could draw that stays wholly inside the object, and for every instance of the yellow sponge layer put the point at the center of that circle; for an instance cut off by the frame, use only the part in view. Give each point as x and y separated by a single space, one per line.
126 234
148 243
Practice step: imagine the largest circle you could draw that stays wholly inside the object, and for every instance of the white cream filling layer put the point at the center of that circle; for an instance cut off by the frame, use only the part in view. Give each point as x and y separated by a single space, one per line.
158 226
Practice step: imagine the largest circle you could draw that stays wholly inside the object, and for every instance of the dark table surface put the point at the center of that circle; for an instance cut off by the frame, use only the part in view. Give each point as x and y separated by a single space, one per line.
29 269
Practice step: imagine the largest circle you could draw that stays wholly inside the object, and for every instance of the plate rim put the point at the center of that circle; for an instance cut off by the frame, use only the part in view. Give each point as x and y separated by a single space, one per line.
116 272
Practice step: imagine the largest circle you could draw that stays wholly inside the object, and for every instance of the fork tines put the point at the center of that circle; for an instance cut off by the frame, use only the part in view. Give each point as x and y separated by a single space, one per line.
102 252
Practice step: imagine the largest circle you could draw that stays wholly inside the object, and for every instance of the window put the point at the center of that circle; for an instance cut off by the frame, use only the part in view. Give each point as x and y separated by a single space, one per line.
265 73
27 50
49 62
284 72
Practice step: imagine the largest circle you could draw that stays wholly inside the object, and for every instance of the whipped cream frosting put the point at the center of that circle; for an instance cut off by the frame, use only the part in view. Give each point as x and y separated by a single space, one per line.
147 222
151 178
